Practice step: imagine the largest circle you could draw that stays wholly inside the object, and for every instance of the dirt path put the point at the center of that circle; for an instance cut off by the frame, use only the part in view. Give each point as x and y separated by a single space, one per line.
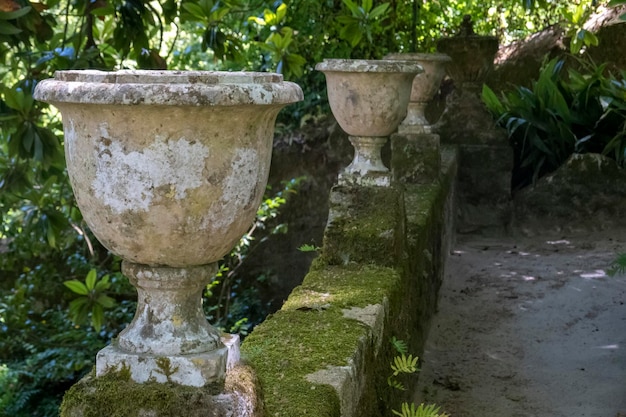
529 327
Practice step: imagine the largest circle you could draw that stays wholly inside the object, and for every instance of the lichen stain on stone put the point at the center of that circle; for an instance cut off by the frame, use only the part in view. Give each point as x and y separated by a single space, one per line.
70 139
239 188
127 181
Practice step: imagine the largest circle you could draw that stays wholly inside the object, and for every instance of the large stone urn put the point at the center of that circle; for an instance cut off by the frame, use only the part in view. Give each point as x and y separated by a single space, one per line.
369 99
424 88
168 169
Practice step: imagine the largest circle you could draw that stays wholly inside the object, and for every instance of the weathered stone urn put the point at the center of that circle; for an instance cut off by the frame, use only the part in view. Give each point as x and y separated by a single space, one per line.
168 169
472 56
424 88
369 99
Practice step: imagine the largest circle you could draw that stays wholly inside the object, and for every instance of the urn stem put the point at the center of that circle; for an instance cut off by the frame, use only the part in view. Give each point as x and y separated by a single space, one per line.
169 319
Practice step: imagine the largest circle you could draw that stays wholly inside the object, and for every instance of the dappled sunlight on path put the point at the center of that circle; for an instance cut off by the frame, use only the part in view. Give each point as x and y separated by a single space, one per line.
529 327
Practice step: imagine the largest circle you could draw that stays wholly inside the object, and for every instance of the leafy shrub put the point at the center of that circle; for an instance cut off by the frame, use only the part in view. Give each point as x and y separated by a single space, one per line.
565 111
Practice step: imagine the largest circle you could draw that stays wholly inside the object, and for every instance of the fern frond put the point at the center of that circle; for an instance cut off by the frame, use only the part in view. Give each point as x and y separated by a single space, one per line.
410 410
404 364
393 383
399 345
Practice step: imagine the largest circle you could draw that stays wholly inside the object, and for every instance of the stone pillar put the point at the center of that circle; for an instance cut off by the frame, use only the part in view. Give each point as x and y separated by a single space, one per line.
486 158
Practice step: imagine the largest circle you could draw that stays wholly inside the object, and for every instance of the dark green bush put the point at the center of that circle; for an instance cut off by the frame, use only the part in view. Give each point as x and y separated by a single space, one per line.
565 111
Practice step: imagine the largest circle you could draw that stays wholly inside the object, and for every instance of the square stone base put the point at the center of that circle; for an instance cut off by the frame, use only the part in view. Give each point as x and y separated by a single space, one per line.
369 179
196 370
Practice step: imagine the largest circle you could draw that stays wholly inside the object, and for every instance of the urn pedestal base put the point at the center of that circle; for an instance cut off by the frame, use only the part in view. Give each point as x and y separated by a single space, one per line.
170 339
415 120
195 370
367 167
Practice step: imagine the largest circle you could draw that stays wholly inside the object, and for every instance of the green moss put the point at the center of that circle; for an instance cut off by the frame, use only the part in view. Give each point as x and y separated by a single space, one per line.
353 285
310 333
365 226
115 395
293 344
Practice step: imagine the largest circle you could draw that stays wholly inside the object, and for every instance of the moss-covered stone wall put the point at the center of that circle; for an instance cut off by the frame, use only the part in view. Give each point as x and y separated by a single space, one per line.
327 352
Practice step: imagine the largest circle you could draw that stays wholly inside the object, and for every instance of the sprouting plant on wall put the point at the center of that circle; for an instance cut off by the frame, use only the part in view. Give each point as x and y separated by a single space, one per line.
307 247
407 364
422 410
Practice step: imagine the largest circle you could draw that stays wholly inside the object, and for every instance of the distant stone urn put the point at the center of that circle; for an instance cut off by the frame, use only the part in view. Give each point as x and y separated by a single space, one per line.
472 56
168 169
424 88
369 99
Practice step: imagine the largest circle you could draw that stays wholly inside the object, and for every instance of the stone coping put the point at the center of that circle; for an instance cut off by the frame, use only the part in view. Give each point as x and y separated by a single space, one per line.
372 65
171 88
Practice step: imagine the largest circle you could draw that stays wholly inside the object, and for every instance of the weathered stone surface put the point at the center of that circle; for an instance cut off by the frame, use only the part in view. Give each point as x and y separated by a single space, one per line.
472 55
368 98
415 158
425 86
153 167
586 193
198 369
168 169
325 353
117 395
364 226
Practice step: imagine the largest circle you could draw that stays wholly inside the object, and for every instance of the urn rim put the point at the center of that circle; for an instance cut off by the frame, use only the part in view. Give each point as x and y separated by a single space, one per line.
369 66
419 56
168 88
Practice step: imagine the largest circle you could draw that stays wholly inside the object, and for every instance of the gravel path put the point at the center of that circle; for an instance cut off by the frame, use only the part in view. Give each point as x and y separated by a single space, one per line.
529 327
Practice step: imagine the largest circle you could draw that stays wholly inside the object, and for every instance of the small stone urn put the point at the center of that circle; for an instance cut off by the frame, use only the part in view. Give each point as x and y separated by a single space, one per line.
425 86
168 169
369 99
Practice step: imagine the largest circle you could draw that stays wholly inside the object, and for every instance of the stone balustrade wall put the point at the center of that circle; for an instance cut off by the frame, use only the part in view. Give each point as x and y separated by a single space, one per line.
327 352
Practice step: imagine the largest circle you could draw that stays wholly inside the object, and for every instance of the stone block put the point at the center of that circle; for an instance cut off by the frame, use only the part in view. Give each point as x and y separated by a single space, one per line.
365 225
415 158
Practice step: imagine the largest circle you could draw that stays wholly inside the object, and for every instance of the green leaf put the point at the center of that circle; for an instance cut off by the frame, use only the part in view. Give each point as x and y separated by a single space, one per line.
103 283
7 28
352 6
281 11
194 10
491 100
351 33
105 301
76 286
16 14
308 248
90 280
379 10
367 5
97 317
14 98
